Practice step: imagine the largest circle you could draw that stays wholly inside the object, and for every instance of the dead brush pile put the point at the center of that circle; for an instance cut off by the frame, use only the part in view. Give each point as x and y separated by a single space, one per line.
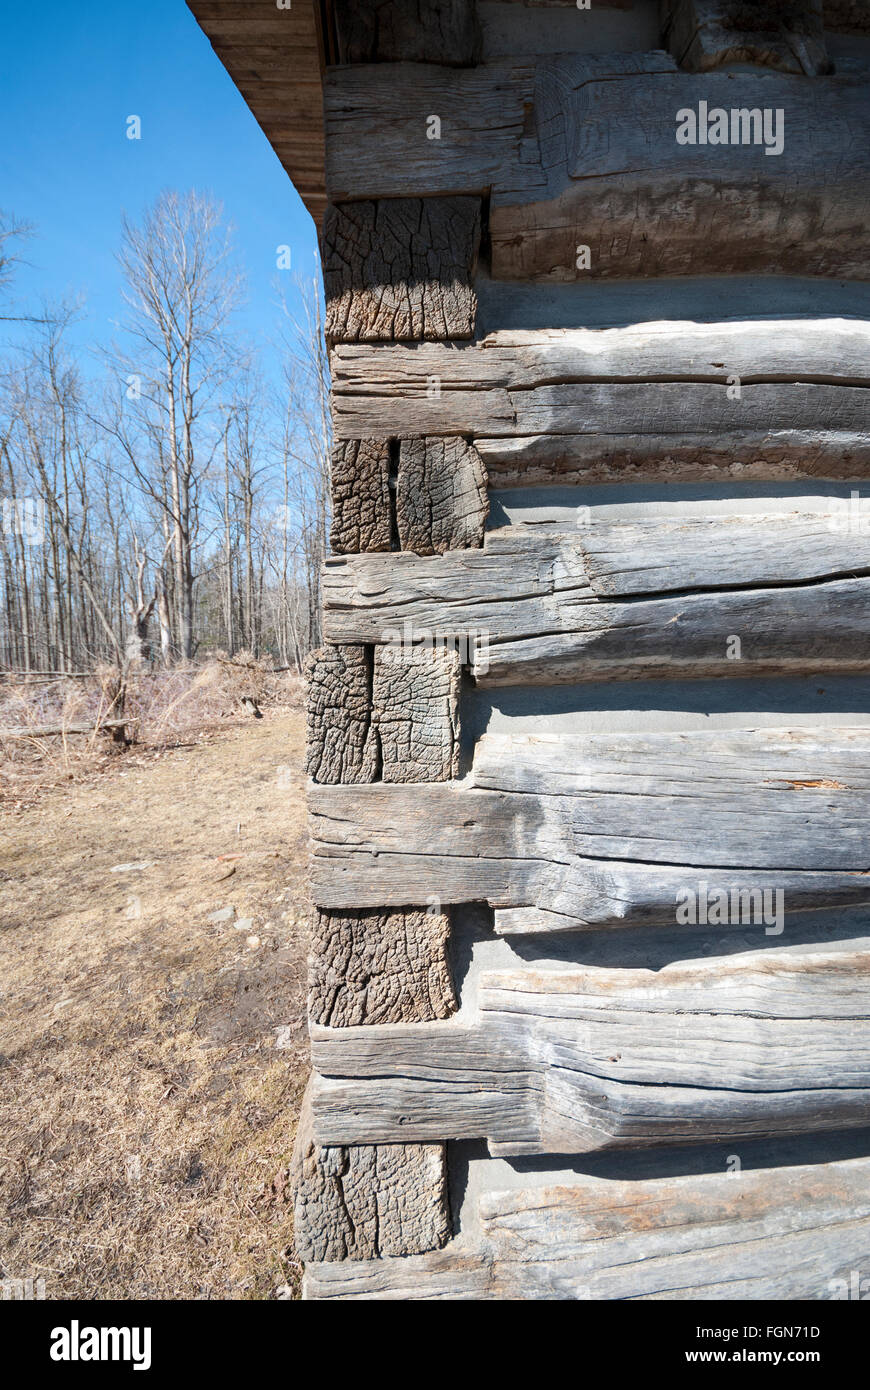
164 708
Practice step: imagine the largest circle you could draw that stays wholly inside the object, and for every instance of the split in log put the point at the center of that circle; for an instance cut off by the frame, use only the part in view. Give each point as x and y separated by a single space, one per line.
582 151
606 829
392 717
770 1233
783 34
361 512
574 1060
441 501
362 1202
342 744
536 609
417 31
401 269
777 398
380 967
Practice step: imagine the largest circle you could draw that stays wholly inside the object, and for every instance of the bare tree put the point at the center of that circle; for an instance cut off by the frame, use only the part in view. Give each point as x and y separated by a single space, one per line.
180 289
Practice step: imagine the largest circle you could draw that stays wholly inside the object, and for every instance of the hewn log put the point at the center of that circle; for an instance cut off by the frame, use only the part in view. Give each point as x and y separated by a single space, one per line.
382 142
415 31
582 151
527 610
441 501
401 269
779 399
416 709
769 1233
360 478
362 1201
609 829
342 744
380 967
573 1060
664 553
783 34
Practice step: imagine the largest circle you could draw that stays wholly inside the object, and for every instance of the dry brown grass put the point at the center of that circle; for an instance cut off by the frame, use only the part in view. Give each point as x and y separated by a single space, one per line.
146 1113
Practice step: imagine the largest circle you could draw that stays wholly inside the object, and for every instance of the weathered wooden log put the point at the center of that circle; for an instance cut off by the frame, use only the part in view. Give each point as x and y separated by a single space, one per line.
115 727
578 1059
401 269
441 501
582 151
527 606
783 34
609 829
593 405
793 1232
342 744
362 1201
417 31
380 967
415 702
360 481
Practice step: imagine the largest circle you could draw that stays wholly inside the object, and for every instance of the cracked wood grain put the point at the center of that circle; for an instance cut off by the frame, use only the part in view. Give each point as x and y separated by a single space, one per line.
552 608
578 1059
380 967
401 268
362 1202
360 487
341 742
415 701
604 830
781 1232
417 31
593 405
441 498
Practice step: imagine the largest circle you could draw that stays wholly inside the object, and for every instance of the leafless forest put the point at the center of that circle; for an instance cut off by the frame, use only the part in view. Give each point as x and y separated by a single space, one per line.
163 498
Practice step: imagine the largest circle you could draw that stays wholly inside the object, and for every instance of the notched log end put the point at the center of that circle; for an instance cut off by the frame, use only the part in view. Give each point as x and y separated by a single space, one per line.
361 519
380 966
341 746
401 269
441 496
366 1201
416 702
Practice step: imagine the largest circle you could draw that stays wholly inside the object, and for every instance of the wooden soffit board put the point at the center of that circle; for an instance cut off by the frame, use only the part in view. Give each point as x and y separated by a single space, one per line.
275 57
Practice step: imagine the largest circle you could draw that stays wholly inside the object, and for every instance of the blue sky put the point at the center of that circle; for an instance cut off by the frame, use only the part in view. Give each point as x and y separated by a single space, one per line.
73 73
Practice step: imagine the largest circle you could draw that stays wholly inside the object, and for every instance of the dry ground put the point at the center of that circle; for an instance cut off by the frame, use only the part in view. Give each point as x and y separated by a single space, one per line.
146 1114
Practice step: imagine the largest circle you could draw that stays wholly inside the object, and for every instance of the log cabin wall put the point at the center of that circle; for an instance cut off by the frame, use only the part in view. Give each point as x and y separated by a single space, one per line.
588 742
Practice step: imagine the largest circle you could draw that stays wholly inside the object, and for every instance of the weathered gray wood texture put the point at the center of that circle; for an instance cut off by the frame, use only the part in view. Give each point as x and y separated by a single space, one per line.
415 700
380 967
776 399
783 34
341 743
604 829
777 1233
360 483
580 1059
420 31
441 499
583 150
401 268
539 608
390 715
361 1202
